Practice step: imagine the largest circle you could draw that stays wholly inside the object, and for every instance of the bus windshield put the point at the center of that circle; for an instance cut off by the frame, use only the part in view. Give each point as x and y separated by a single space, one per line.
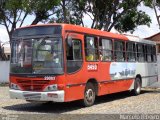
41 55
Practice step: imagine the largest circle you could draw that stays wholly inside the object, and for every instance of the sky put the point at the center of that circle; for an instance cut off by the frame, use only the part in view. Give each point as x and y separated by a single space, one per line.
142 31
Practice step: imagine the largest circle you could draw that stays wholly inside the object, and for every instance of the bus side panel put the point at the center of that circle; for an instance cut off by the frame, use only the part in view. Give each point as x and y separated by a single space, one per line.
107 84
120 85
76 82
74 93
148 72
74 86
118 76
104 76
115 86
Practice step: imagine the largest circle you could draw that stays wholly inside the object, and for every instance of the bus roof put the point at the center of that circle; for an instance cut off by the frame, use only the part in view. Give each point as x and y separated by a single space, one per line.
141 40
85 30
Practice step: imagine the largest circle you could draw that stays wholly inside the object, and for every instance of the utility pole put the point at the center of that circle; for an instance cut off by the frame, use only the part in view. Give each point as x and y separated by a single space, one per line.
155 10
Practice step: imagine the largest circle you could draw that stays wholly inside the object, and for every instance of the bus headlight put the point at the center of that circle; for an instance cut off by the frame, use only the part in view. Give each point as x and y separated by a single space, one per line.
51 88
14 86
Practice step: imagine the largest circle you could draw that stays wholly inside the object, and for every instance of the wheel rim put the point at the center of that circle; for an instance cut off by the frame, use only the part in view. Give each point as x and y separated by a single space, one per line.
89 96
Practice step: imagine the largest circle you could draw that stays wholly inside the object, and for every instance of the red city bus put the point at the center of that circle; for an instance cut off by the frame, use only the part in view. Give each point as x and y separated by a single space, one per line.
62 63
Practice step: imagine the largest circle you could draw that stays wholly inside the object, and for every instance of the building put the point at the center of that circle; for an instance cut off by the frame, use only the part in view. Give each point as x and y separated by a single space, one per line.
7 52
156 38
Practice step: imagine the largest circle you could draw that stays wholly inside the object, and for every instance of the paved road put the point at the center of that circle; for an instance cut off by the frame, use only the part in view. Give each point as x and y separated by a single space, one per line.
120 103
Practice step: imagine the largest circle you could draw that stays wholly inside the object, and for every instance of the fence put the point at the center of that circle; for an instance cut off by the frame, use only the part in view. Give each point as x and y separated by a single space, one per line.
4 71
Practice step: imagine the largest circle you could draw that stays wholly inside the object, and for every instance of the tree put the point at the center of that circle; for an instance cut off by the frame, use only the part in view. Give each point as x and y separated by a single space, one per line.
69 11
121 14
154 4
104 14
42 9
14 12
129 21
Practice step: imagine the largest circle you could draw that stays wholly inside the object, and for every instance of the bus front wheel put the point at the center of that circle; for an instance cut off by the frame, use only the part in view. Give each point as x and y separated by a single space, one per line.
89 95
137 86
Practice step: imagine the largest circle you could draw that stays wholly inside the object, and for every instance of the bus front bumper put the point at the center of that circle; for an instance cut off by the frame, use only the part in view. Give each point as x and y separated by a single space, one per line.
55 96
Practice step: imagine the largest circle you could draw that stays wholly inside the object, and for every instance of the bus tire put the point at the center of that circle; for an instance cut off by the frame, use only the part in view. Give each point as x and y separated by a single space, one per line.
89 95
137 86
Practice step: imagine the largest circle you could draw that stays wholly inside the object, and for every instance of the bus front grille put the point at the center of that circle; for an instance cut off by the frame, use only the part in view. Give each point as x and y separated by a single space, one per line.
32 85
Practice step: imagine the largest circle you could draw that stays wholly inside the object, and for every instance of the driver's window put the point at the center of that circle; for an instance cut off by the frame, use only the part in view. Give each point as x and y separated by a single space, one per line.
73 55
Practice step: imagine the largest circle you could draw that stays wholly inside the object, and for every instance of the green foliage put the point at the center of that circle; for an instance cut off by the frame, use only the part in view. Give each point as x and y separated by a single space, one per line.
158 3
39 5
131 20
14 12
105 14
150 3
69 11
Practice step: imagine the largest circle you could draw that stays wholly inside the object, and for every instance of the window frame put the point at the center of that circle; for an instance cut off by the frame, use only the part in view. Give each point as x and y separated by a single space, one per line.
154 53
74 39
101 49
96 49
148 47
123 52
134 52
158 46
143 53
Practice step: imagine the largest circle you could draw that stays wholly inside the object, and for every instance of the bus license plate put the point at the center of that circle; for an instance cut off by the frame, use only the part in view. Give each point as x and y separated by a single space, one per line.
32 96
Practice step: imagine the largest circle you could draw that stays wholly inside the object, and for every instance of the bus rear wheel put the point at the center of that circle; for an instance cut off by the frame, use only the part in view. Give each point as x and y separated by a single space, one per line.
137 86
89 95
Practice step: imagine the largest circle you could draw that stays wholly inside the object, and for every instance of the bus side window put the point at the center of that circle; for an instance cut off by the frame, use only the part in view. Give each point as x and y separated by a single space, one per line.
149 53
140 52
153 55
105 49
91 48
119 51
73 55
130 52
